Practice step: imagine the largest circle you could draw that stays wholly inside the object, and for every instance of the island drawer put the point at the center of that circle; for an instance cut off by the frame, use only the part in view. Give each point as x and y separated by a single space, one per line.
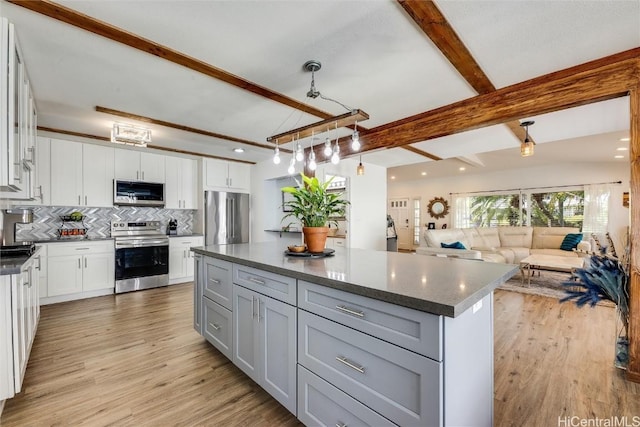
218 281
217 326
411 329
276 286
403 386
321 404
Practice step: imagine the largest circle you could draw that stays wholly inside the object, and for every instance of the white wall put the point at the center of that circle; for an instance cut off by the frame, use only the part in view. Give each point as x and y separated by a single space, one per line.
548 176
366 227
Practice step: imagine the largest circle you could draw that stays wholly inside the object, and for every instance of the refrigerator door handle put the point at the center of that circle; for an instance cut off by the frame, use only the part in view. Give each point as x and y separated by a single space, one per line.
232 203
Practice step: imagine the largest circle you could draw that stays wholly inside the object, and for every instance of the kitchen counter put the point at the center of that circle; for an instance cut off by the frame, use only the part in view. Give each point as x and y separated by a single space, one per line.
13 265
91 239
442 286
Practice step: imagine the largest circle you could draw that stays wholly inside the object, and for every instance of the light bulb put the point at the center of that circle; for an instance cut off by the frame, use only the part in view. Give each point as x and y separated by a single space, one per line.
335 157
355 141
312 160
299 153
292 168
276 156
327 148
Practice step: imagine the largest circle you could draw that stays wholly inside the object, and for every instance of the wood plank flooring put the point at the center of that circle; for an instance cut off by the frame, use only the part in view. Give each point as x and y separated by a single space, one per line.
135 360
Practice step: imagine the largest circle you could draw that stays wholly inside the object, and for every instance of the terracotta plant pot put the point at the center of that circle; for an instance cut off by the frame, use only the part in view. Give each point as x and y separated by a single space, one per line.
315 238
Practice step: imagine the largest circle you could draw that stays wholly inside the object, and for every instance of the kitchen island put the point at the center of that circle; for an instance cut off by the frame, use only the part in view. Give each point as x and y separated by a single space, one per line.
358 338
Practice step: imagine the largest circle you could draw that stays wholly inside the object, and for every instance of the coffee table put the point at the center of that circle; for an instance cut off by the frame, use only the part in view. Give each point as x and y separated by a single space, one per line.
540 262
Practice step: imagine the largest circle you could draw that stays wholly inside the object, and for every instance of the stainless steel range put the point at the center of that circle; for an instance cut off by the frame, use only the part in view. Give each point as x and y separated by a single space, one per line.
142 255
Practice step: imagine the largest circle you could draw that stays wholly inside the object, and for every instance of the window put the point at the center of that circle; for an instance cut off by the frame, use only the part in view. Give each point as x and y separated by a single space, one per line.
495 210
557 209
416 221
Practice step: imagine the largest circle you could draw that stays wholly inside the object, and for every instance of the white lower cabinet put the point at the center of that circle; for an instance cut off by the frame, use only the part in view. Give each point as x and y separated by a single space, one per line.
76 267
181 264
19 315
264 343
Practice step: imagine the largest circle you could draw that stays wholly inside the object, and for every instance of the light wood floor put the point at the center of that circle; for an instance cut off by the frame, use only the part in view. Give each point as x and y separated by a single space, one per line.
134 360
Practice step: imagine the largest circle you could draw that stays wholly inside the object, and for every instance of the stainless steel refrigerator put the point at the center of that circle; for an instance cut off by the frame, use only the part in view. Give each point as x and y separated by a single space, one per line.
226 217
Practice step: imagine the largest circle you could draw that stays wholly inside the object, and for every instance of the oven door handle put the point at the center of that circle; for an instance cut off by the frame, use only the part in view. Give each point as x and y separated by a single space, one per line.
142 243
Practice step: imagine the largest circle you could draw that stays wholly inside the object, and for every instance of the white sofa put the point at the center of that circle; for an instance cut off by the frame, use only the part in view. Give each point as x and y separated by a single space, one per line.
499 244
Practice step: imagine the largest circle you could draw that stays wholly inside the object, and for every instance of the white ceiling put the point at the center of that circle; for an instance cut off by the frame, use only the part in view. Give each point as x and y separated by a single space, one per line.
374 57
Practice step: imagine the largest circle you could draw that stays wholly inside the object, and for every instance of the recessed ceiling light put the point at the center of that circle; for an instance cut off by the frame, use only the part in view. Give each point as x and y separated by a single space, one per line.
423 173
622 149
393 177
618 157
627 139
462 168
238 150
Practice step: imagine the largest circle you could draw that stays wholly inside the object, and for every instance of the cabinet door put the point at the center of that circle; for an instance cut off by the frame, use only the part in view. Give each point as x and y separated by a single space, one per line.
278 342
239 176
177 262
173 186
127 164
97 173
245 333
43 171
152 167
65 275
66 173
216 173
198 285
99 271
6 336
189 267
189 184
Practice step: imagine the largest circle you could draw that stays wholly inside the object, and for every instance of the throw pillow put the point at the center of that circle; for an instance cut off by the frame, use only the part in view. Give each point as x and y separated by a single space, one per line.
454 245
570 241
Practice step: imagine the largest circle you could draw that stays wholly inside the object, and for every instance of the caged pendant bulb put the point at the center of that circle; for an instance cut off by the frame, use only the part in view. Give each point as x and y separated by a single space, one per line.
335 157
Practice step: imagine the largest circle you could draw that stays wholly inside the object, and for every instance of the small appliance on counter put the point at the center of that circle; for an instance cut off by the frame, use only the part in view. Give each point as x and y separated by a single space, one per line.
10 218
172 228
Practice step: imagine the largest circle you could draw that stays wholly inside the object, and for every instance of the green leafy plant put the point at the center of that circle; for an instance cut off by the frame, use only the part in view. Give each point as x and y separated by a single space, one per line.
313 205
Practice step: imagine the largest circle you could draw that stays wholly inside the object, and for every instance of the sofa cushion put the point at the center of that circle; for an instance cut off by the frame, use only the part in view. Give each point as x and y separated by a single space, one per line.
519 254
434 238
570 241
454 245
550 237
487 237
515 237
507 254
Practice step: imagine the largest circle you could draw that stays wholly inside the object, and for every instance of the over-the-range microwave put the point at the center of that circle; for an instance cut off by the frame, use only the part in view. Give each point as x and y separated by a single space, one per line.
138 193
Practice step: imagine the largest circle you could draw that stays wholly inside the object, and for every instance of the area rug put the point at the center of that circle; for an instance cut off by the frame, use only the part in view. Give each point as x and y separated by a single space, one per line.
548 284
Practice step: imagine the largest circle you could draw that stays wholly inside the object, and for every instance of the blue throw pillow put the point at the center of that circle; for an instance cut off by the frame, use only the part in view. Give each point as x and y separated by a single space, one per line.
571 241
454 245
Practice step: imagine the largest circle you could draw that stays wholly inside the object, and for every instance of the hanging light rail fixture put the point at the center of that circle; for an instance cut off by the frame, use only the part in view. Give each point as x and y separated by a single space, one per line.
352 117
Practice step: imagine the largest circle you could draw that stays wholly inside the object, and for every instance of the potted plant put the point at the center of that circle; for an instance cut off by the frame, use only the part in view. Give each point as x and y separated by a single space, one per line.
315 207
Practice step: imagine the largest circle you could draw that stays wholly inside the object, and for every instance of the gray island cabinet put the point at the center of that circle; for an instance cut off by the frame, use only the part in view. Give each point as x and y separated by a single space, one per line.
359 338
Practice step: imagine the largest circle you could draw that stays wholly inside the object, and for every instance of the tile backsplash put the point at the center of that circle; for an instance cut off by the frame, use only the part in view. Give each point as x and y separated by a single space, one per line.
46 220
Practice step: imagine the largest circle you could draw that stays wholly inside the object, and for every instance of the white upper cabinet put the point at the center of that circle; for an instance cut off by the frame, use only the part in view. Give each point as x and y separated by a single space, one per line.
81 174
138 166
221 175
17 121
181 183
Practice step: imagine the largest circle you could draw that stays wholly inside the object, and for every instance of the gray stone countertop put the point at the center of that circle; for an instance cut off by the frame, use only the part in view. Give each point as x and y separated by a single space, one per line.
13 265
442 286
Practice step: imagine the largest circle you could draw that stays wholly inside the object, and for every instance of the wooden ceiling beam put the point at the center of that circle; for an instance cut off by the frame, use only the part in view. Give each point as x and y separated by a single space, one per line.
155 147
599 80
178 126
435 25
111 32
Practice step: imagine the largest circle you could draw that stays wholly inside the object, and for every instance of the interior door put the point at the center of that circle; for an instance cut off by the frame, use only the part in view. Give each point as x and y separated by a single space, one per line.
399 211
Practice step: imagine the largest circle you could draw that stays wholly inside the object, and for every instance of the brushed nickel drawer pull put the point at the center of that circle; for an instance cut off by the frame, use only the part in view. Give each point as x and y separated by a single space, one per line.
258 281
216 281
82 249
350 311
353 366
339 424
214 326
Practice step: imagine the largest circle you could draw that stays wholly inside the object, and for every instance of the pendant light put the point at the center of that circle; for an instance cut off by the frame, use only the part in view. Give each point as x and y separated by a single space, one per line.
360 168
355 138
276 154
526 146
335 157
299 152
312 156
